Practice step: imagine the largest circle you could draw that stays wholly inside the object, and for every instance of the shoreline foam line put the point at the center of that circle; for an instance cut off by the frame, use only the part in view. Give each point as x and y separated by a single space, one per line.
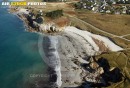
49 54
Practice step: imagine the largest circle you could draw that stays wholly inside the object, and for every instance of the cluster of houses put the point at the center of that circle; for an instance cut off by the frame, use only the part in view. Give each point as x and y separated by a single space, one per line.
105 6
122 1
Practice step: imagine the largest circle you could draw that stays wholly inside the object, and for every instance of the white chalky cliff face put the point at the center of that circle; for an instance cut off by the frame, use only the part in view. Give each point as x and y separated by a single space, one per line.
89 37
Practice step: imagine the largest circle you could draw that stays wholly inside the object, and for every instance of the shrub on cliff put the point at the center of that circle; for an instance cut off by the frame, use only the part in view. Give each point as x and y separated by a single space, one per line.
39 20
78 5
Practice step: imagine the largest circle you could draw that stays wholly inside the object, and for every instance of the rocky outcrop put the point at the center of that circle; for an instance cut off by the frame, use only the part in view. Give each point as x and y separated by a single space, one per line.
49 28
98 74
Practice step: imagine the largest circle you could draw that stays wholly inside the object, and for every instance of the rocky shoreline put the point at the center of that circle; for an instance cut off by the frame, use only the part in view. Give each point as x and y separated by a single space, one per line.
74 52
79 68
49 26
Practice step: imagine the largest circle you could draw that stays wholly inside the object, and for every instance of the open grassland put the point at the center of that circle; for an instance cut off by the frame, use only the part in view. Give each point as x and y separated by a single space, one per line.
123 43
59 5
115 24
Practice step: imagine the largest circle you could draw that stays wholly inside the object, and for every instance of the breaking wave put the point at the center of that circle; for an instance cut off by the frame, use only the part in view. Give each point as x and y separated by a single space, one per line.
48 50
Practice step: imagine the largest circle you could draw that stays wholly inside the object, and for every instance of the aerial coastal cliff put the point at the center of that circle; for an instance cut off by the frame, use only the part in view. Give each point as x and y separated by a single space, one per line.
71 55
70 52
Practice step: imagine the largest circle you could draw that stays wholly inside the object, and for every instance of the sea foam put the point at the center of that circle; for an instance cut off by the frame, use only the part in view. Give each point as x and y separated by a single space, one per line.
48 50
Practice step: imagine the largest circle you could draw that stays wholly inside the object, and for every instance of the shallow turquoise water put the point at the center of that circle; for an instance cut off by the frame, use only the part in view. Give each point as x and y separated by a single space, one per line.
19 56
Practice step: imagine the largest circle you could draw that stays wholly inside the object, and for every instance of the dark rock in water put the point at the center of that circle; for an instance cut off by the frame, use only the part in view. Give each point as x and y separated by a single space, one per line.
104 63
52 78
53 75
29 19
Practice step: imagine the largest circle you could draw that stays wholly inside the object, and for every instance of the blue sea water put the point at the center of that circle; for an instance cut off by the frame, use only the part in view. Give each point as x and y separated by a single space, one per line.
19 56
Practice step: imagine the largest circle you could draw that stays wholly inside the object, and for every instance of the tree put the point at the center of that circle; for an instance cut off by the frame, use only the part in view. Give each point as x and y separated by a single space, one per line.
78 5
55 14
